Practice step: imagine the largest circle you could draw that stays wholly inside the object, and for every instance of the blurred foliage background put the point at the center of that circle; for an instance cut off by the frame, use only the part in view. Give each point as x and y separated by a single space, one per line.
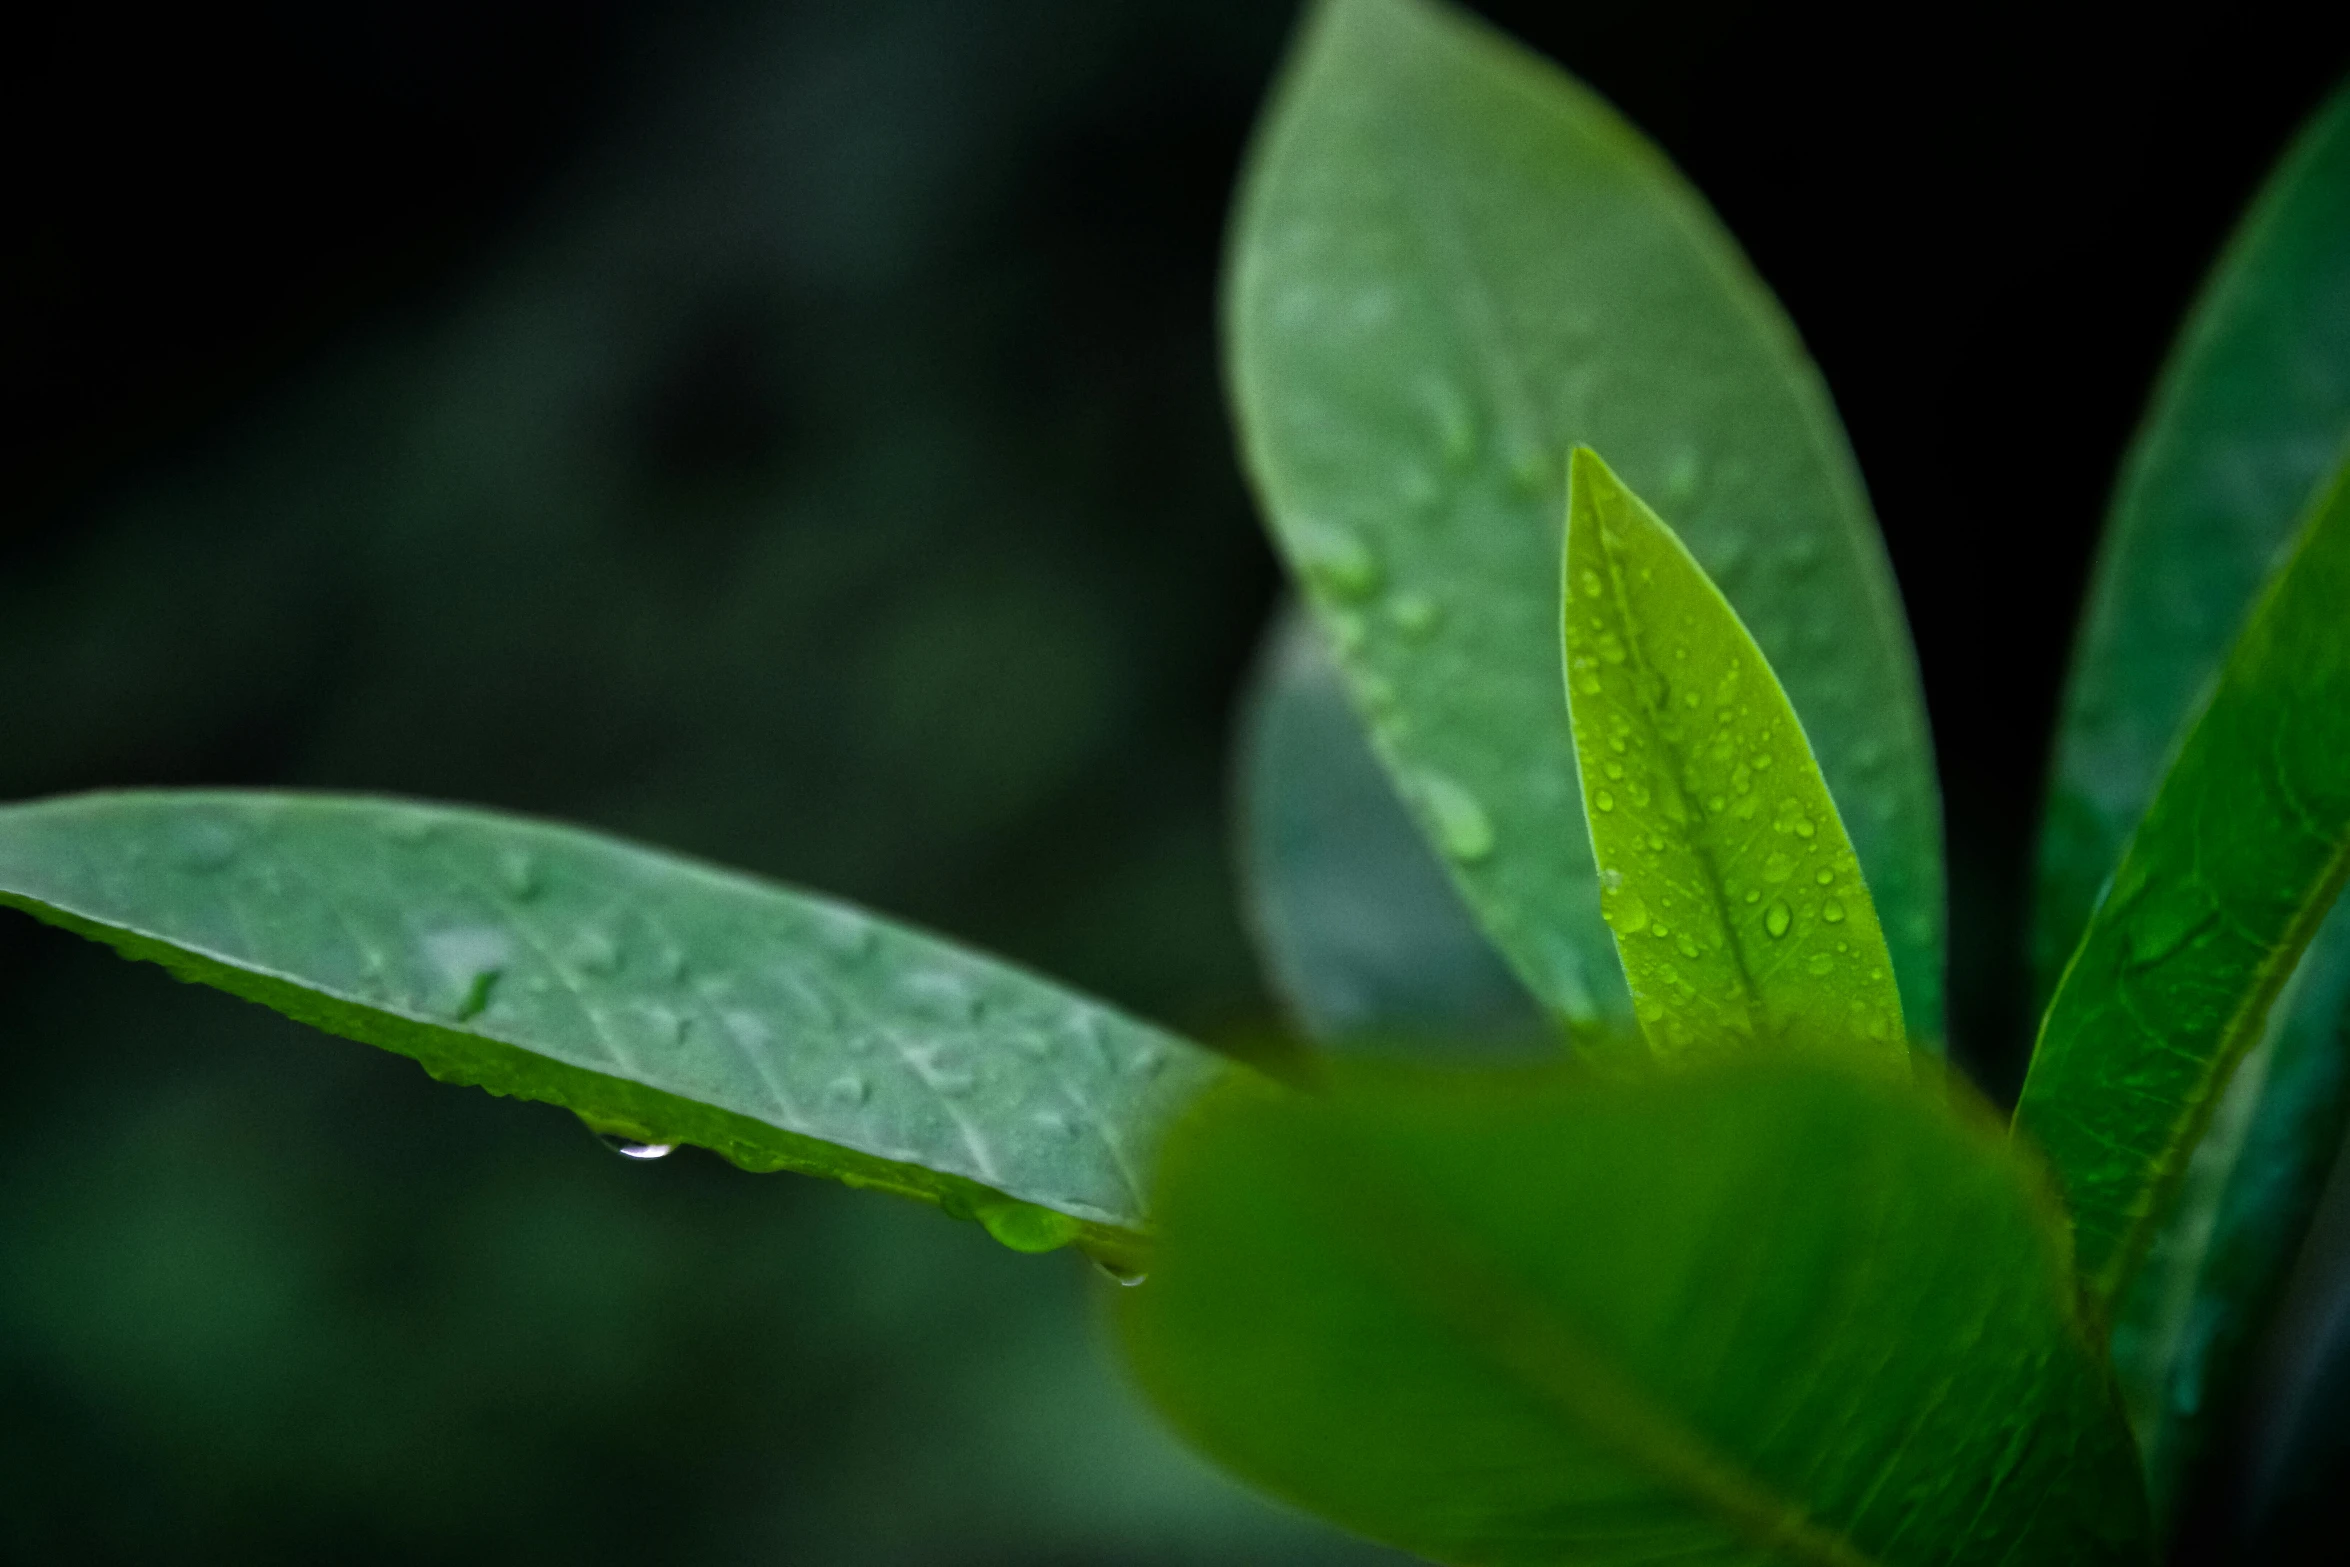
789 432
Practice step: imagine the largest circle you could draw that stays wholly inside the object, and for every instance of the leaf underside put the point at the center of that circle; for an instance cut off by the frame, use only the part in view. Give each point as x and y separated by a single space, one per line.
2223 884
1736 900
659 998
1364 935
2250 413
1756 1310
1450 264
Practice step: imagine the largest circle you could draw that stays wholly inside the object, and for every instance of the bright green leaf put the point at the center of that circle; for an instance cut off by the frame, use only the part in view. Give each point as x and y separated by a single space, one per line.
661 999
1363 934
1451 262
2249 414
2237 861
1737 903
1760 1310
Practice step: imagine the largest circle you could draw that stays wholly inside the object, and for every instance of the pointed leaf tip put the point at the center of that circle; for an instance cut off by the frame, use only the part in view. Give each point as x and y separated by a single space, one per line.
1737 904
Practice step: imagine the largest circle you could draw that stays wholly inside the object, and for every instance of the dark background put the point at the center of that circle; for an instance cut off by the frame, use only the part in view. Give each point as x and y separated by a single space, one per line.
790 433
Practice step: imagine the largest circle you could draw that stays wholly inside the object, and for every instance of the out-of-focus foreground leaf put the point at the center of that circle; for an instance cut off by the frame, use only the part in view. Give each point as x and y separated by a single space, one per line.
1451 262
662 1000
1735 897
2250 414
1764 1309
2223 884
1364 935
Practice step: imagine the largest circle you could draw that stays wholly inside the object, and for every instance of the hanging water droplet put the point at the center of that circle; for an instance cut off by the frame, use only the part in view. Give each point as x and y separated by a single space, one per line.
1336 558
1832 911
1120 1273
1463 830
1023 1226
630 1148
1777 917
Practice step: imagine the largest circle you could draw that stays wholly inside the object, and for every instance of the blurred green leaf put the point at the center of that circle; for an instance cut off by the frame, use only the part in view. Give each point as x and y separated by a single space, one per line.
1762 1309
1736 901
1451 263
1364 936
2222 886
2249 415
662 1000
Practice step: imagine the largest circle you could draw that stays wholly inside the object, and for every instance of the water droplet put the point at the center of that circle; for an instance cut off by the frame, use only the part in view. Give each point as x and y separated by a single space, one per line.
1463 829
1416 615
940 994
518 871
1688 947
1752 896
1611 647
1148 1060
1119 1273
1023 1226
630 1148
1337 558
1820 963
1826 877
940 1071
1054 1122
1715 803
595 951
1604 800
845 933
1657 929
1777 916
207 843
1624 911
1832 912
1656 840
849 1089
1589 580
2163 923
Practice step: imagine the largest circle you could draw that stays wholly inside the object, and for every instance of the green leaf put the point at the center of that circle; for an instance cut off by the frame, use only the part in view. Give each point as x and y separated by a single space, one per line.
1762 1309
1737 903
1363 934
2249 415
661 999
2221 887
1450 264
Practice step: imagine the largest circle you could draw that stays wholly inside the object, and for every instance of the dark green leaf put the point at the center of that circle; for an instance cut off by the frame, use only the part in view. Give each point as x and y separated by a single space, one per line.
2221 887
1363 934
1765 1309
662 1000
1736 900
1451 263
2249 414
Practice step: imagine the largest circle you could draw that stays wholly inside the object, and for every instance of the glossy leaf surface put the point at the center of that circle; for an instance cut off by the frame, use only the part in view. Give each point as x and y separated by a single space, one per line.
1735 897
1363 934
2249 414
1758 1310
2224 883
1451 262
663 1000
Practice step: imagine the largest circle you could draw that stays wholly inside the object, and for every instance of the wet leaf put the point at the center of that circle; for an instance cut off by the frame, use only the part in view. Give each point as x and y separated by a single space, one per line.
1737 903
1450 263
663 1000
